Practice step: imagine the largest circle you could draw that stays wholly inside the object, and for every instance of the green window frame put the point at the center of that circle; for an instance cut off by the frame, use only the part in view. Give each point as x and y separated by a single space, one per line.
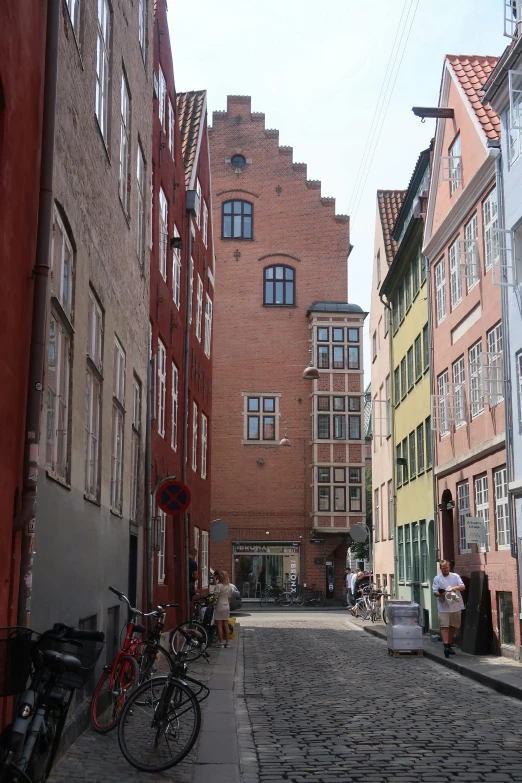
418 358
423 552
405 472
407 551
397 386
420 449
428 442
413 461
425 348
400 552
411 379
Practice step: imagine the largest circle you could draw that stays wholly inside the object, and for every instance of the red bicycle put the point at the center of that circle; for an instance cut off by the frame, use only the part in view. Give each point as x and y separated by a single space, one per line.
134 663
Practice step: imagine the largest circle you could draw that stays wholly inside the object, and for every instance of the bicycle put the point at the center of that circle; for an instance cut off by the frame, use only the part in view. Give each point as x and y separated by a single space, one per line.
276 595
161 719
309 596
204 635
361 606
133 664
57 662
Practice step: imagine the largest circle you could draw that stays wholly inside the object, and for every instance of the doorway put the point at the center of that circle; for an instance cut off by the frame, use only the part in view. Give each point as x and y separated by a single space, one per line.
330 579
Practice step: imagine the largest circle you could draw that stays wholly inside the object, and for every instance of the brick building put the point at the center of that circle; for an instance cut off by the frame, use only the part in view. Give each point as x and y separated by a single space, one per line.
90 502
281 301
181 296
468 416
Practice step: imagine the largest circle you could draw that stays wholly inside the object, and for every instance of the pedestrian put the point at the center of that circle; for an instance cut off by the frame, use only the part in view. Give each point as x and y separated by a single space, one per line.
448 587
192 576
347 591
222 597
353 585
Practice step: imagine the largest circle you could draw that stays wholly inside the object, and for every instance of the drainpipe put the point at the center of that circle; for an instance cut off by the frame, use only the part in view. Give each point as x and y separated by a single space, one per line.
504 305
25 520
432 439
186 352
392 435
148 498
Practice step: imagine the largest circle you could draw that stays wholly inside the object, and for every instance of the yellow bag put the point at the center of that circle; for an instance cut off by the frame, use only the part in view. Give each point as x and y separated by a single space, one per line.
231 624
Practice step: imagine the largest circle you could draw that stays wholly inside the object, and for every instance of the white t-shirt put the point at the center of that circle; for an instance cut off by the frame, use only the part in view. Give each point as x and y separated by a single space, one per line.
348 580
452 580
352 583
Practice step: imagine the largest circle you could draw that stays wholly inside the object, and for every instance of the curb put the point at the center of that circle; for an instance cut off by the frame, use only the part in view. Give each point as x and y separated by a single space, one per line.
505 688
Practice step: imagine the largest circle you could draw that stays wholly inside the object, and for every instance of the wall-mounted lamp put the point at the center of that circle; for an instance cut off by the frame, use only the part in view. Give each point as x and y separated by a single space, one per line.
284 441
260 462
267 532
176 243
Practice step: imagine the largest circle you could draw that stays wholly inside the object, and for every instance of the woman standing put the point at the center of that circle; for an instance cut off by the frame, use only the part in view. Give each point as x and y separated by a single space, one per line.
222 597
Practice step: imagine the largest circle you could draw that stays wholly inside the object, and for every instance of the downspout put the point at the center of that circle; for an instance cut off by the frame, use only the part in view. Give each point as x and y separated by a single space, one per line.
186 353
148 497
436 536
504 308
392 435
25 520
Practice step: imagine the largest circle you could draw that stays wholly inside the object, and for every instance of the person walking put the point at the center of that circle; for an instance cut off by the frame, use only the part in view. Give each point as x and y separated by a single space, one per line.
222 597
448 587
192 576
353 585
347 591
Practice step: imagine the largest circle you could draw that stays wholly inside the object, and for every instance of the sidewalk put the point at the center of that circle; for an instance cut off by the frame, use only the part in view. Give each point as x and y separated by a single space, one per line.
502 674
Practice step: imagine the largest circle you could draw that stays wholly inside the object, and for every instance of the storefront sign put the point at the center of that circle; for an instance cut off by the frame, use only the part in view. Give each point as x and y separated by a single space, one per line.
293 576
475 530
266 549
317 540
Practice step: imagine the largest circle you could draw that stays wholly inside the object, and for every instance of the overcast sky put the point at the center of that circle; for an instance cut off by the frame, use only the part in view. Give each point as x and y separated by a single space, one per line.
316 69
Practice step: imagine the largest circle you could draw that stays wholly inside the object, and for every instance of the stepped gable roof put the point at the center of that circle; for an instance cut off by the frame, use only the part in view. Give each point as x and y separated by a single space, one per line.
190 107
472 72
390 203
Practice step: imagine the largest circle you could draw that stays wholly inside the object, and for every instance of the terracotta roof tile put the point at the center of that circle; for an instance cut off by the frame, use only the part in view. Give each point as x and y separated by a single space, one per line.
190 114
472 72
390 203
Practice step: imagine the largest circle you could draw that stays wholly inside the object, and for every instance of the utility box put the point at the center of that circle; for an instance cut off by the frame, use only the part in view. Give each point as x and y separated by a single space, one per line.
403 632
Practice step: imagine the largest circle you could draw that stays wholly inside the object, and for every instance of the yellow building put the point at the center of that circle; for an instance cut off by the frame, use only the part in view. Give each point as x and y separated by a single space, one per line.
405 290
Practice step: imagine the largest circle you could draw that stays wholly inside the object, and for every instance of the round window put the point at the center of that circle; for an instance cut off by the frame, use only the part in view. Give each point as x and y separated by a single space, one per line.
238 161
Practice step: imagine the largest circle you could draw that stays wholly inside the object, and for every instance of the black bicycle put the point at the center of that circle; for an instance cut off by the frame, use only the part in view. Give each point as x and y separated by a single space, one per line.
56 662
312 597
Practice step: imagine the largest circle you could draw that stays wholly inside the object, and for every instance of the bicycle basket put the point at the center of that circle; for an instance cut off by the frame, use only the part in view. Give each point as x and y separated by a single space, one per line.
87 654
15 659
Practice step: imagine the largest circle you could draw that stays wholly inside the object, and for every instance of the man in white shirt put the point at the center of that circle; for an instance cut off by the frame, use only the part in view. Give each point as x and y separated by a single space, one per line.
354 580
448 587
347 592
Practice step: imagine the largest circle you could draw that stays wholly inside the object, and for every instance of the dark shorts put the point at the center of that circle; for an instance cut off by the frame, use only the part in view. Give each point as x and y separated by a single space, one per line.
192 591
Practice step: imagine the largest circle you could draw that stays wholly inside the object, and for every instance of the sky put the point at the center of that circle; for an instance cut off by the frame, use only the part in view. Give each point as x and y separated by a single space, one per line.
316 71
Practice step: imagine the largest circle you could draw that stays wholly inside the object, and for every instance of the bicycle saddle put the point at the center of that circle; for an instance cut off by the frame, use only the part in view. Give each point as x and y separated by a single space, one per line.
60 662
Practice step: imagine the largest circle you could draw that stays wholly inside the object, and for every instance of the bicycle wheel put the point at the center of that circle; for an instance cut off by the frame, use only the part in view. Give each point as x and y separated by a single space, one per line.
298 598
107 702
285 599
154 662
264 599
193 649
159 724
319 599
363 610
385 616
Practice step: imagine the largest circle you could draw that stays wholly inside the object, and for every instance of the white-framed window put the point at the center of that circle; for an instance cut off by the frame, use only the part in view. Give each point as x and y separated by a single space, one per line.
494 369
501 508
163 233
330 491
124 144
388 404
519 370
204 559
482 506
515 107
176 271
444 414
162 525
261 418
162 387
162 98
62 266
191 288
376 514
196 538
199 200
463 511
151 223
118 421
103 49
199 308
471 267
204 441
205 223
194 436
440 290
140 189
459 394
391 522
58 392
174 412
455 164
171 128
118 388
208 325
73 6
135 449
512 17
374 346
476 379
93 398
455 278
490 213
142 27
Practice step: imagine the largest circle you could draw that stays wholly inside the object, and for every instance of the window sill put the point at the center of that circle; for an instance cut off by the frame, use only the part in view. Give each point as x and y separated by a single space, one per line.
269 443
280 305
504 548
125 213
58 479
75 38
237 239
91 499
418 378
116 513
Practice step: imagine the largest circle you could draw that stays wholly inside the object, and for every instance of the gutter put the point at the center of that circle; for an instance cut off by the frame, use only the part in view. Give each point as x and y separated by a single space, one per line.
25 520
509 57
186 363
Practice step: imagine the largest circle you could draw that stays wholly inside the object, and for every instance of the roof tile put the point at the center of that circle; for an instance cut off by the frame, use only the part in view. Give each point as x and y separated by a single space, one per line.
472 72
390 203
190 114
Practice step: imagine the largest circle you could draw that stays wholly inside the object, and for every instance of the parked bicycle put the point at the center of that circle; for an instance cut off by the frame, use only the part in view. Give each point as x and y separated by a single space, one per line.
275 595
309 596
161 719
201 622
57 662
361 608
135 662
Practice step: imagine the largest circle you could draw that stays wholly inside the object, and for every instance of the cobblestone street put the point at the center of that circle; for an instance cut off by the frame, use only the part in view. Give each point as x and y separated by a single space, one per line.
326 703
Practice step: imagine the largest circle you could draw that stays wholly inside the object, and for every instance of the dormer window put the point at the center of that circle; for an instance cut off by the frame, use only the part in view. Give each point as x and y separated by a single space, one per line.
237 220
455 165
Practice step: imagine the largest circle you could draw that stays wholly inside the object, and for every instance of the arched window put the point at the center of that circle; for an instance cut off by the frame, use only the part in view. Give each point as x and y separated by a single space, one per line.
279 285
238 217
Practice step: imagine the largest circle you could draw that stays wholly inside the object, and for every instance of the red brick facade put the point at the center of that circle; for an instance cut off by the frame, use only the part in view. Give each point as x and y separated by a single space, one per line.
261 490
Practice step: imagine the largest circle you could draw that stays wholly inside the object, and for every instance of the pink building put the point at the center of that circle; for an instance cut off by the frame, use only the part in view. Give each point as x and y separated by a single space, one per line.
466 353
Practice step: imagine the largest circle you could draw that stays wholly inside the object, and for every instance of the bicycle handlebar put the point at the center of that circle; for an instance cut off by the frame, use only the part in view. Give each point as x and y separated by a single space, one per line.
77 634
137 611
